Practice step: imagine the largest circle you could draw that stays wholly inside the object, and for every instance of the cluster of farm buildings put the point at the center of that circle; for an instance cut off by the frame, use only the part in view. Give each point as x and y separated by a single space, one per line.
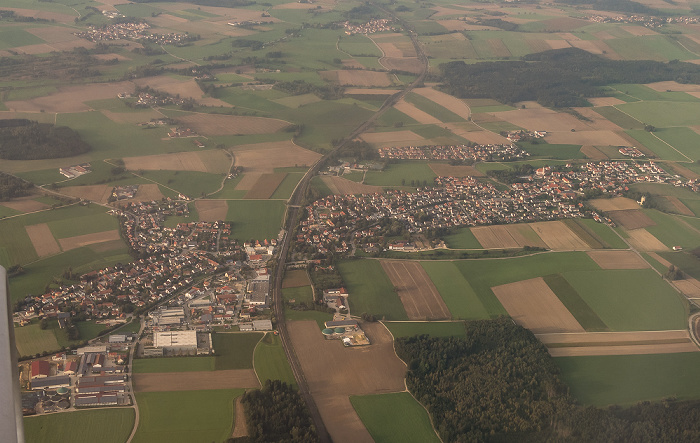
372 26
454 152
75 170
133 30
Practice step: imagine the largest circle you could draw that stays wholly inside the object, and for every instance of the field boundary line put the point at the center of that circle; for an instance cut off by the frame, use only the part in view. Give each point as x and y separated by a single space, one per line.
255 349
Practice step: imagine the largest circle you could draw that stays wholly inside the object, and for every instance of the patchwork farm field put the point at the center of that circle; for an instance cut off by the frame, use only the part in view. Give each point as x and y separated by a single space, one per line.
111 425
271 362
370 290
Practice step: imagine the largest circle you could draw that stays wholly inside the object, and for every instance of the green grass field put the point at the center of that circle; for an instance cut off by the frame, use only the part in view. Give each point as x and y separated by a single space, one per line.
255 219
190 183
618 117
235 351
673 230
574 303
111 425
371 290
661 149
664 114
271 362
173 364
628 379
396 417
455 290
434 329
426 105
186 416
629 300
401 174
31 340
299 294
84 224
285 189
462 238
602 232
683 139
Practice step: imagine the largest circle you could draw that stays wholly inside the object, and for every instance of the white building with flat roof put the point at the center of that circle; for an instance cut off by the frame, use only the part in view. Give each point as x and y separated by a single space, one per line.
175 339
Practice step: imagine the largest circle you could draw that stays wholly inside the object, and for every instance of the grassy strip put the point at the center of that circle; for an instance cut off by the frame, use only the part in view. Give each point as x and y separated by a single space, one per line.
271 362
574 303
371 290
455 291
235 351
433 329
111 425
667 341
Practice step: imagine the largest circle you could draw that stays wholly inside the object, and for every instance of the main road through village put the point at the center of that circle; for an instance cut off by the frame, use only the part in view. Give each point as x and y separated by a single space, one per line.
293 208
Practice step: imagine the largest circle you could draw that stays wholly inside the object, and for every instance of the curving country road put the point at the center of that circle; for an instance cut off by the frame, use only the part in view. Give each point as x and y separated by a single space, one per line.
293 207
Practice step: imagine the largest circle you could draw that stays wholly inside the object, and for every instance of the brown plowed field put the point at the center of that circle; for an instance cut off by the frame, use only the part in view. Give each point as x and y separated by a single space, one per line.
643 240
597 121
679 206
211 210
344 186
673 86
415 113
96 193
558 236
210 124
335 372
543 119
88 239
599 138
71 98
631 218
612 337
605 101
618 259
480 137
295 279
445 170
507 236
42 239
357 77
408 64
689 286
265 186
417 292
248 181
196 381
179 161
662 348
614 204
534 306
265 157
558 44
446 100
391 137
593 153
25 204
390 50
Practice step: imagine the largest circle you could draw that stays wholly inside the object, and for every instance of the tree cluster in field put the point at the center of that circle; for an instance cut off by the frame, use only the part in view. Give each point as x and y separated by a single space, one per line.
557 78
500 384
615 6
13 187
277 413
66 65
300 87
30 140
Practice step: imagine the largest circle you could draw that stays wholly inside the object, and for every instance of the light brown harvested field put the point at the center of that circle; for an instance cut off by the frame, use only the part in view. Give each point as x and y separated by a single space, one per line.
498 48
240 428
659 259
408 64
265 186
662 348
639 30
389 49
195 381
600 138
147 192
265 157
107 246
295 278
344 186
370 91
209 124
605 101
445 170
71 98
415 113
538 45
25 204
618 259
356 77
96 193
132 117
418 294
534 306
597 121
507 236
679 206
407 49
42 239
643 240
542 119
612 337
178 161
558 236
568 36
673 86
211 210
614 204
447 101
334 372
558 44
593 153
88 239
390 137
41 48
248 181
631 218
689 286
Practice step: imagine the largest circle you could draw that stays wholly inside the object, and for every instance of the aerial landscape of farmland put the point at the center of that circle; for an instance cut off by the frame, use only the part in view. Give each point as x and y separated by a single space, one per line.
233 220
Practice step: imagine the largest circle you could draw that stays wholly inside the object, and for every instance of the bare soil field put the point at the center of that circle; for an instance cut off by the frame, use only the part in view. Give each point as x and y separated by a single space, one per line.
679 206
334 372
597 121
25 204
558 44
661 348
534 306
593 153
415 113
264 157
88 239
408 64
389 49
211 210
295 279
605 101
614 204
689 286
543 119
417 292
178 161
631 218
506 236
558 236
132 117
600 138
618 259
248 181
42 239
617 343
673 86
390 137
643 240
71 98
370 91
447 101
344 186
445 170
356 77
196 381
265 186
209 124
96 193
107 246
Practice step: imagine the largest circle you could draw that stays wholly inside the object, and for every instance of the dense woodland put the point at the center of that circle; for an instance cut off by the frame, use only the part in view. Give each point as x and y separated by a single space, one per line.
557 78
13 187
277 413
29 140
615 5
500 384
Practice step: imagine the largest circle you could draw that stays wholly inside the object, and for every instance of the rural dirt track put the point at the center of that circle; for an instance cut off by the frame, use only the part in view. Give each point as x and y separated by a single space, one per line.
196 381
417 292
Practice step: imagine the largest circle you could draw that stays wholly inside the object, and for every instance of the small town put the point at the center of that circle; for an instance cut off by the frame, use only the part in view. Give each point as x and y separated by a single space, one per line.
133 30
371 27
457 152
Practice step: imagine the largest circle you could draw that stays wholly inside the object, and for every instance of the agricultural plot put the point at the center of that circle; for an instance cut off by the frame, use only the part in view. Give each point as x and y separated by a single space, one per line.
195 381
507 236
271 362
89 239
445 170
255 219
420 298
558 237
212 124
185 87
452 104
358 78
95 193
295 278
24 204
370 290
265 186
434 329
111 425
31 340
42 239
618 343
265 157
343 186
70 98
392 137
180 161
643 240
211 210
436 110
674 230
618 259
402 174
664 114
462 238
614 204
173 364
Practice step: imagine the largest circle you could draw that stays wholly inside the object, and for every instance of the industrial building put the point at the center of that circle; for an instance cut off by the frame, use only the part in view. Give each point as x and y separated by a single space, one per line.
175 339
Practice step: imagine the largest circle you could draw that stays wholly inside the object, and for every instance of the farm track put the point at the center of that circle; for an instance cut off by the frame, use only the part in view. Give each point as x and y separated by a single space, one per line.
292 214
